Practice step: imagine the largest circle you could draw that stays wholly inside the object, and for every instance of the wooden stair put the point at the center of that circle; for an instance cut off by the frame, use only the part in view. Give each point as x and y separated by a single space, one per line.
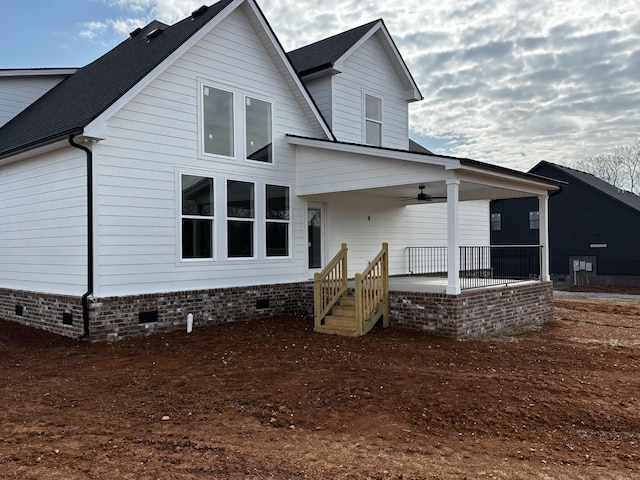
342 320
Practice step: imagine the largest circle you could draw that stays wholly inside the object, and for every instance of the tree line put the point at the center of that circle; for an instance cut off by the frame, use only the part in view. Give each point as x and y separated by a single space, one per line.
620 168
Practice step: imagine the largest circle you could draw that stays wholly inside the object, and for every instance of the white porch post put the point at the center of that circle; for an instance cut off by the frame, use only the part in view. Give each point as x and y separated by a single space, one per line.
453 238
543 209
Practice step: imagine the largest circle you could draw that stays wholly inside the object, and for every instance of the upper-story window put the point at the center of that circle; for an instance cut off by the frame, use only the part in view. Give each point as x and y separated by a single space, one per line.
259 136
197 216
373 120
217 121
534 220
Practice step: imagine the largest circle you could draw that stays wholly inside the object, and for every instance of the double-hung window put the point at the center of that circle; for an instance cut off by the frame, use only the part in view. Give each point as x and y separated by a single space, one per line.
373 120
197 216
217 117
240 219
259 136
277 220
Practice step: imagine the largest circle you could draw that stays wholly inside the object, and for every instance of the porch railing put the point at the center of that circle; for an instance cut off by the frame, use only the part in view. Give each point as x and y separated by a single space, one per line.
479 265
330 284
372 292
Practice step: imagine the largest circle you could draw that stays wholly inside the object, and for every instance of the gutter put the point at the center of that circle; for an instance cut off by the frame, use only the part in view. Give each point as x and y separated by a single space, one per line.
85 297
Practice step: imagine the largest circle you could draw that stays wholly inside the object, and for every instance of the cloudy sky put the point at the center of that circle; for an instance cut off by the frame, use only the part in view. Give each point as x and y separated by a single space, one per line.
510 82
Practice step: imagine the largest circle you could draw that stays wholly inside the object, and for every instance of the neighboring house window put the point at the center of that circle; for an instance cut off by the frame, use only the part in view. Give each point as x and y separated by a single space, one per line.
197 217
258 130
534 220
240 219
373 120
277 221
496 222
217 108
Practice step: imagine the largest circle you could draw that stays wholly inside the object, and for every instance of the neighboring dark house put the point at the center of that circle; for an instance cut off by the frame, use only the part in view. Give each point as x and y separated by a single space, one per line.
594 228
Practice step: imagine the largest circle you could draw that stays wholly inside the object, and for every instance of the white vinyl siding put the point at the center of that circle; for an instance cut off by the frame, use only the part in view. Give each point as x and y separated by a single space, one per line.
17 93
154 138
43 224
364 222
320 90
370 69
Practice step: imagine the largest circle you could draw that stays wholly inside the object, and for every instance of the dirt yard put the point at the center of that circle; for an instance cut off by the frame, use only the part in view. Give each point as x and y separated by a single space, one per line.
272 399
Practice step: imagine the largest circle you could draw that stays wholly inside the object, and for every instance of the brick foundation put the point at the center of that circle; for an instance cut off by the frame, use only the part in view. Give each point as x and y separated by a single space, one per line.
474 313
469 315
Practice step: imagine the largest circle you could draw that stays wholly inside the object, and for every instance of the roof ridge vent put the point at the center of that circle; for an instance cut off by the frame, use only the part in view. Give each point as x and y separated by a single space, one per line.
154 33
200 11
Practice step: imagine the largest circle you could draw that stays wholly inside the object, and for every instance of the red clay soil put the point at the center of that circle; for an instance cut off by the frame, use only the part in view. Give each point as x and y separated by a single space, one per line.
272 399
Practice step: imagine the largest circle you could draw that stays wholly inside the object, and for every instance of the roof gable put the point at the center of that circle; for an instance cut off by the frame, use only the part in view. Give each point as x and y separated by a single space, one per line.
627 198
81 100
329 55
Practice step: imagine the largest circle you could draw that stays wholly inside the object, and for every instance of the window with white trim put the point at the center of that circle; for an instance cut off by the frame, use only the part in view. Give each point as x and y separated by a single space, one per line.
197 217
277 219
258 131
373 120
240 219
217 119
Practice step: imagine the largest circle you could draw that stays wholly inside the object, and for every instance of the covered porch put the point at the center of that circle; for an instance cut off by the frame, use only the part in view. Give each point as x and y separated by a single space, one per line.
459 290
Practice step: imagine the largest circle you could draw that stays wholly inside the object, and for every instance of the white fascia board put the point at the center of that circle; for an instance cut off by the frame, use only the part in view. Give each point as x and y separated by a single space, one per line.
287 64
413 92
36 72
449 163
97 128
504 180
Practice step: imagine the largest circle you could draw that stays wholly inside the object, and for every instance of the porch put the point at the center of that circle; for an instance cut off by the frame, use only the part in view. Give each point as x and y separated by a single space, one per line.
503 291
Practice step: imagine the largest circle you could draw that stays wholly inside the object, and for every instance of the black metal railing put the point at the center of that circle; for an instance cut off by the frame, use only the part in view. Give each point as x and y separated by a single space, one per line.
480 266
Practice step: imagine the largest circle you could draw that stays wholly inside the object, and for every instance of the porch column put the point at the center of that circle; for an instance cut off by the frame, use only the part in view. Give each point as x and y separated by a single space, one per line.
543 220
453 238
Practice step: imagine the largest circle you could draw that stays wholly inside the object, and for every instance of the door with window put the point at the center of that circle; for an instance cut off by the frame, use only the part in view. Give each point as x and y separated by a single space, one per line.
315 237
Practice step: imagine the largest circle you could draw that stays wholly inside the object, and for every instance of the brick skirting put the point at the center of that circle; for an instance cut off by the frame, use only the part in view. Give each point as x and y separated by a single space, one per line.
469 315
473 313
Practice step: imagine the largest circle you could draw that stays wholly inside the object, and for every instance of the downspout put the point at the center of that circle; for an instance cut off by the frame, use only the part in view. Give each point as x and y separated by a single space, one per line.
85 297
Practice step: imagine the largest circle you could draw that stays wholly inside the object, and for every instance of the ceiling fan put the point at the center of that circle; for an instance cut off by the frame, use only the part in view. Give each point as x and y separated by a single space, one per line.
423 197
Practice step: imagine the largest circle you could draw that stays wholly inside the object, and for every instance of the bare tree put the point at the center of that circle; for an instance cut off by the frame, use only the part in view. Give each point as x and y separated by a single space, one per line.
620 168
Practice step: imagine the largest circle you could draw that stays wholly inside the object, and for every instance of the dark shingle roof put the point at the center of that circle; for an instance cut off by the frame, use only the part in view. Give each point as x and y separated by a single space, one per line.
416 147
630 199
81 98
324 53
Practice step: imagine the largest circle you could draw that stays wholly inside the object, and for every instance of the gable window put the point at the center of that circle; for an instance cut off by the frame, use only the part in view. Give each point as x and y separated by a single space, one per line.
240 219
373 120
496 222
217 115
197 217
277 221
534 220
258 130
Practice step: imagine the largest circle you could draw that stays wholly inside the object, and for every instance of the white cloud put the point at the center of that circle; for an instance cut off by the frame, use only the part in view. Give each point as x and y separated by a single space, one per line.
90 30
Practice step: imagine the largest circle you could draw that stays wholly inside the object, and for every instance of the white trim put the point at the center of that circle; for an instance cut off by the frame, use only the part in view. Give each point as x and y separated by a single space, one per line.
253 220
270 101
179 172
202 84
36 72
288 222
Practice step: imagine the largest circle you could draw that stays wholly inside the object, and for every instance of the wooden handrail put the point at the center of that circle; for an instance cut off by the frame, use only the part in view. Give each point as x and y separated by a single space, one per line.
329 285
372 292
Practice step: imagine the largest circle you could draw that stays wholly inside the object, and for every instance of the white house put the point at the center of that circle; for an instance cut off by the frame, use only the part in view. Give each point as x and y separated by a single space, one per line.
198 168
